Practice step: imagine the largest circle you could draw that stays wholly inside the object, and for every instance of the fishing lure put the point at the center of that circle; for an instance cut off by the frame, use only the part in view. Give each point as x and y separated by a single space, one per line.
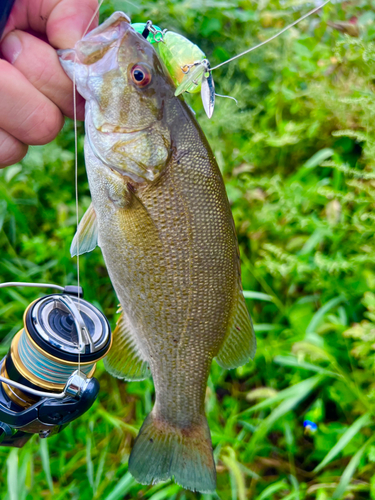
186 63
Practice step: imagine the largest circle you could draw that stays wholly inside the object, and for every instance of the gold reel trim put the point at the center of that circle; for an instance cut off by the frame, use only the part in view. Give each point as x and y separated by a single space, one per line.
14 394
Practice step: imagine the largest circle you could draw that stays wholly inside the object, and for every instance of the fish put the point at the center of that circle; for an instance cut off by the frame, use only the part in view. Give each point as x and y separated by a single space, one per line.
162 219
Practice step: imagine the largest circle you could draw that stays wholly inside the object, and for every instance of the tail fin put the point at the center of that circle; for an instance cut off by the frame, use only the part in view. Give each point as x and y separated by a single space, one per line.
162 450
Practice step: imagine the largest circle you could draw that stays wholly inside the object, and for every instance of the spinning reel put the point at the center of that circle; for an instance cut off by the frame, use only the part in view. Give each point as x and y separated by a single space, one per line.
47 376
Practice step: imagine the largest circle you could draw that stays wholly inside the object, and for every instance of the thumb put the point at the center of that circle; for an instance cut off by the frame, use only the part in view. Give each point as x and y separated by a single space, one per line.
69 20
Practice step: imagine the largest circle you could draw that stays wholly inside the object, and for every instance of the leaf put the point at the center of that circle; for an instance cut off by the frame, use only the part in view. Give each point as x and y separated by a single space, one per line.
3 212
302 389
100 468
168 492
319 157
248 294
272 489
266 425
267 327
24 479
350 469
249 472
12 172
318 316
286 406
12 477
303 365
45 462
344 440
118 423
234 468
122 487
89 464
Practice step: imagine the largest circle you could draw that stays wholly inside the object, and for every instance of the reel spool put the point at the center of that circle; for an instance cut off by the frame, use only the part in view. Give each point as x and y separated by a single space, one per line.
47 376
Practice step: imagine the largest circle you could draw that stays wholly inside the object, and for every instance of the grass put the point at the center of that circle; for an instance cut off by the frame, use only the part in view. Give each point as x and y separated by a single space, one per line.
297 156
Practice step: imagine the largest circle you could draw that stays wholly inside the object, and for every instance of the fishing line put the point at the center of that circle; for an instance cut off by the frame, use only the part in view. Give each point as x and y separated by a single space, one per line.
76 192
76 166
227 97
272 37
93 17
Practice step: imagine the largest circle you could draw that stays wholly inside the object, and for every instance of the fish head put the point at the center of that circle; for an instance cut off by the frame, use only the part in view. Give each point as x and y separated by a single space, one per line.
126 87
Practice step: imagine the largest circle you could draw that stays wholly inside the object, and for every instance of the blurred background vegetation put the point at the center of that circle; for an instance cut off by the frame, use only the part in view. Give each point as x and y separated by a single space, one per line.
298 159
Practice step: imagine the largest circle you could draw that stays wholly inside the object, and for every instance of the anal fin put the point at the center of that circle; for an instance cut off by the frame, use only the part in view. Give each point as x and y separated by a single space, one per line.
125 360
240 342
86 237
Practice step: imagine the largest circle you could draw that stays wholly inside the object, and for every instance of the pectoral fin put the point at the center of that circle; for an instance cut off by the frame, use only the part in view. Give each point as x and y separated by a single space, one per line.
125 359
86 237
240 343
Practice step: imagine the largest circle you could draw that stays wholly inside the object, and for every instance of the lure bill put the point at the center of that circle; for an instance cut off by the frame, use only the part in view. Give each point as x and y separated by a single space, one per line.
208 92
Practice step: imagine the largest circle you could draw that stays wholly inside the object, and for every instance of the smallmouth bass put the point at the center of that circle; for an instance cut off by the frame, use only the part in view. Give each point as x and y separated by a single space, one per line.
162 219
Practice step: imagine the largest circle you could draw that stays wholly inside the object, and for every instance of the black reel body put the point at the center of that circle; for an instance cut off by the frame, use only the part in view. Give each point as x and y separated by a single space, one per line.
46 417
47 376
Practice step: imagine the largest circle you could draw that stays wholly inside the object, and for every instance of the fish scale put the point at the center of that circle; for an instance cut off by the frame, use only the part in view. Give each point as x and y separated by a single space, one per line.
162 218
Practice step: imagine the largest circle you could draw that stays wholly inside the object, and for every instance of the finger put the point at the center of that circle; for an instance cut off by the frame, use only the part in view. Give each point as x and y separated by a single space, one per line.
64 21
39 63
69 20
11 149
25 112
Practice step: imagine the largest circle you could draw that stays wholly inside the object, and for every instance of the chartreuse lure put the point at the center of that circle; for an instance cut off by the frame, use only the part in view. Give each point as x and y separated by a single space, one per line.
185 62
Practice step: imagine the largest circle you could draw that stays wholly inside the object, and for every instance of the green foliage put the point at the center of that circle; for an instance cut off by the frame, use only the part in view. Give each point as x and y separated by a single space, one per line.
298 158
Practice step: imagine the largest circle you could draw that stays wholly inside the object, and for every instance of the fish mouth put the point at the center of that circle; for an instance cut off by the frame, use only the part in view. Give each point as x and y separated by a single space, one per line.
97 42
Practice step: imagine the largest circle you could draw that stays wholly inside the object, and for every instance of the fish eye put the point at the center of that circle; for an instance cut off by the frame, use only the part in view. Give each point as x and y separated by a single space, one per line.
141 75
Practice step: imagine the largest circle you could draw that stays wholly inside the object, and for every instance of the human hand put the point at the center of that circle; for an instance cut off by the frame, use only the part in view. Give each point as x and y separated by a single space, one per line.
35 92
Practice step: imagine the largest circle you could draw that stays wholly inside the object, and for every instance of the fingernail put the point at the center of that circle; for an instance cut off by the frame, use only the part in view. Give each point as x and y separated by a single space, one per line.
11 47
